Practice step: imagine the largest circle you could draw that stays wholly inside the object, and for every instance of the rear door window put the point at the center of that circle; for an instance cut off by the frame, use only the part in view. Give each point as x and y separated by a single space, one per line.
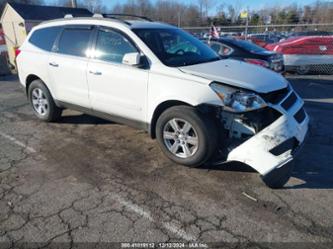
74 41
45 38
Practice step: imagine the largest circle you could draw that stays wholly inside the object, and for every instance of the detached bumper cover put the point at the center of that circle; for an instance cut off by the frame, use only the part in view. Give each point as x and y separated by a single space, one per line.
275 146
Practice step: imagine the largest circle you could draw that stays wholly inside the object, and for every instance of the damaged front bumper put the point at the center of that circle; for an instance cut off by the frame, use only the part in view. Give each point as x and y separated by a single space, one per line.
275 145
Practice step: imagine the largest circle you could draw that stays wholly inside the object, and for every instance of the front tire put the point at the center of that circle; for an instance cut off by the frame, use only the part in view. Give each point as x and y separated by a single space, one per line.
42 102
186 136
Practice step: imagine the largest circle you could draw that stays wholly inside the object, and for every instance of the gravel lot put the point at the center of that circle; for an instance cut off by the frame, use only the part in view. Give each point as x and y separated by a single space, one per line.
88 180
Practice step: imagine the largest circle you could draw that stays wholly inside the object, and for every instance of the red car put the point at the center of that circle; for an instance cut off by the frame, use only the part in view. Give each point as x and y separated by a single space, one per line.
4 69
2 42
254 40
306 54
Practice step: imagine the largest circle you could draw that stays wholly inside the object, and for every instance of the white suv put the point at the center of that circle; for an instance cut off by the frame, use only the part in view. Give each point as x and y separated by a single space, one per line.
201 108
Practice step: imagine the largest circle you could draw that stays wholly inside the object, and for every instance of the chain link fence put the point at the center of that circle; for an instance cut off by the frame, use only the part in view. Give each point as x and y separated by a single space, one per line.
315 56
283 28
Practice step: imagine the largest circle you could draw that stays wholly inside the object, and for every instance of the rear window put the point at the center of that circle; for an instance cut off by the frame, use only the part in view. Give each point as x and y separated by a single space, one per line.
44 38
74 41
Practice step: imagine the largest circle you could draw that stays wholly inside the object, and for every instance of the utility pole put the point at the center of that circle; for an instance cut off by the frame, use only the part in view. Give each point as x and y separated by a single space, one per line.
74 4
247 26
245 15
247 22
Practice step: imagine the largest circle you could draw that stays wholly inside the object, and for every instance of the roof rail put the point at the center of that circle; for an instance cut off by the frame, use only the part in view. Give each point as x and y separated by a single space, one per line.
116 16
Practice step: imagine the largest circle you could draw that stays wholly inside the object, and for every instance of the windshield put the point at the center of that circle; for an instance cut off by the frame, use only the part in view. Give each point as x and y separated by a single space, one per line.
176 48
248 46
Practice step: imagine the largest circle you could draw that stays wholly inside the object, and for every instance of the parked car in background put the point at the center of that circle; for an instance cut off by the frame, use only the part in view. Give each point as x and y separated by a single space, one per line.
248 52
309 33
255 40
306 54
3 47
265 37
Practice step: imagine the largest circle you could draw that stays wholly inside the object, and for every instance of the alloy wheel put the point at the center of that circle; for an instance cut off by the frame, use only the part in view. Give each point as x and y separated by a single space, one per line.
180 138
39 102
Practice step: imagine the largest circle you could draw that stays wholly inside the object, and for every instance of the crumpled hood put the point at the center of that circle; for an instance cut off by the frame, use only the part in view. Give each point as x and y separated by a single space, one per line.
239 74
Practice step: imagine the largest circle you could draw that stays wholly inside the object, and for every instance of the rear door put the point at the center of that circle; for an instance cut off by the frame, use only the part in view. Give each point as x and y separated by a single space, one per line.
115 88
68 65
35 54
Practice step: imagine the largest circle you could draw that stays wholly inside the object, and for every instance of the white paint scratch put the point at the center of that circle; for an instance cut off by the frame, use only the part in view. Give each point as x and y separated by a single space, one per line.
17 142
147 215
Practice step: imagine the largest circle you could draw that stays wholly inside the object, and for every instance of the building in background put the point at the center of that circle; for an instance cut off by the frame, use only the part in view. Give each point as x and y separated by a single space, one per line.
18 19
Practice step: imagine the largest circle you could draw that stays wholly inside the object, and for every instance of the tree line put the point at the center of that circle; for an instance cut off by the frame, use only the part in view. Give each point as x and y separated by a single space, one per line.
204 12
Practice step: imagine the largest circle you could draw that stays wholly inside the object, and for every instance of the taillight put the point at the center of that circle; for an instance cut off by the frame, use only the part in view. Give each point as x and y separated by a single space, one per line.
17 52
257 62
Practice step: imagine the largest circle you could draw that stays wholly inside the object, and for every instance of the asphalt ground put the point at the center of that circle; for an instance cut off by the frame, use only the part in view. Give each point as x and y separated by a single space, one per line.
84 181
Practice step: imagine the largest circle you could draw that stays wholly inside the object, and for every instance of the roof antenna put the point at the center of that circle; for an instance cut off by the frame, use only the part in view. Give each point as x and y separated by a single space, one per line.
68 16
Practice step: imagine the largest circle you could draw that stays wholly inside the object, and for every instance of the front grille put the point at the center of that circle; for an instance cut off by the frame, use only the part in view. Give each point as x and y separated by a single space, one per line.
289 102
276 96
300 115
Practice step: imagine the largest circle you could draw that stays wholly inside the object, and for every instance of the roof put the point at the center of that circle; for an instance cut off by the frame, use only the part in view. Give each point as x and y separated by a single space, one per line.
97 20
148 25
42 13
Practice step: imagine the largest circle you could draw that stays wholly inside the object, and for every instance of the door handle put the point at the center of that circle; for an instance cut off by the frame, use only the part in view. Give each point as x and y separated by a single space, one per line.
54 64
95 72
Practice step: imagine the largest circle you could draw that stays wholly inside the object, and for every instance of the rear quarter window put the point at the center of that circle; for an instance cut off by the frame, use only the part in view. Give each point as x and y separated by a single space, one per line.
45 38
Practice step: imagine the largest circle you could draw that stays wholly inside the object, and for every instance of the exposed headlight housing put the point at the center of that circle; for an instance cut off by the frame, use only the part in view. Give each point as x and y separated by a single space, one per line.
237 100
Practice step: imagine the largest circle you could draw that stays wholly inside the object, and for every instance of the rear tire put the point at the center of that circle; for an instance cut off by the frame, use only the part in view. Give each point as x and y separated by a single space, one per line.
303 70
186 136
42 102
278 177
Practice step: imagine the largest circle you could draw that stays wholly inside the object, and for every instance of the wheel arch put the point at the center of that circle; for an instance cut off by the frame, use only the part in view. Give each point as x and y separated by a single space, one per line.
203 108
159 110
29 79
32 77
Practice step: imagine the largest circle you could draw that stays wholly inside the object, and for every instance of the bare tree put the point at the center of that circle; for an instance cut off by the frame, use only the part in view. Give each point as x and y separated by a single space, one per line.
65 3
180 13
205 6
36 2
95 6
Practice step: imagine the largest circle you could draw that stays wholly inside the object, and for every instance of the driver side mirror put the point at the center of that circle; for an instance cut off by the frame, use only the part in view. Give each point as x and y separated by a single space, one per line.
131 59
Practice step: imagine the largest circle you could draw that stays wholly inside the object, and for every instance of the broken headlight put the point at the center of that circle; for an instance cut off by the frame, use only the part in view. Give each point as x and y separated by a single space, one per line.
238 100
